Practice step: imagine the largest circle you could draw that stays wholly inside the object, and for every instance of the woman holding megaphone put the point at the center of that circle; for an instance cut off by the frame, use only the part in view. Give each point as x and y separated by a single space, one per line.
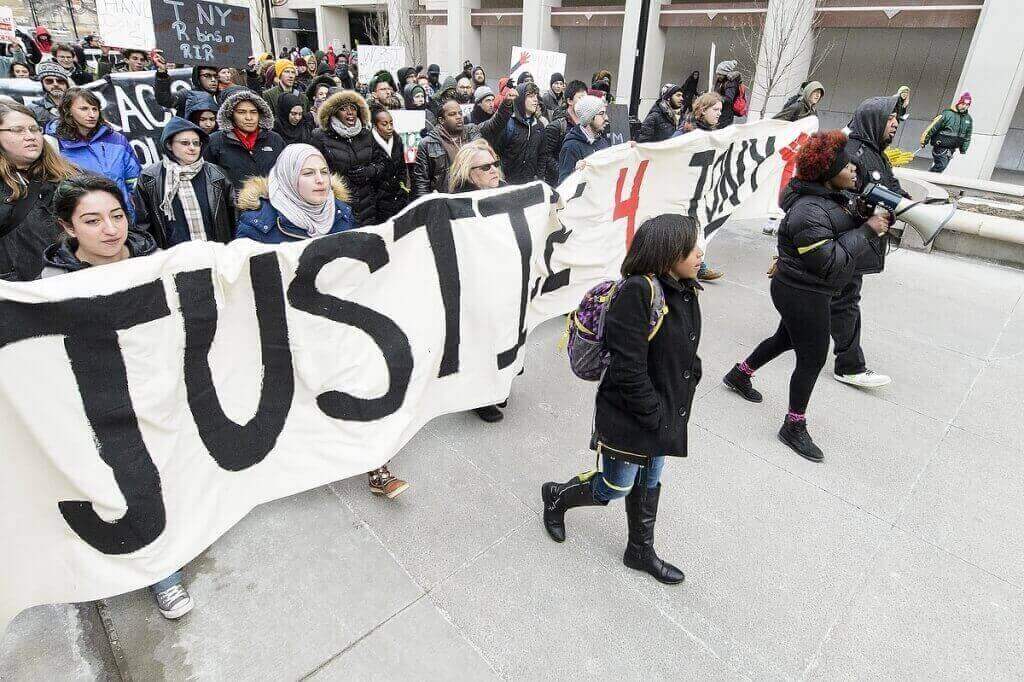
820 239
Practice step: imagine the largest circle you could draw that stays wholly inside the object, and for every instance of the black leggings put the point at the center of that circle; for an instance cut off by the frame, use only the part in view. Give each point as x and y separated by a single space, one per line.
804 328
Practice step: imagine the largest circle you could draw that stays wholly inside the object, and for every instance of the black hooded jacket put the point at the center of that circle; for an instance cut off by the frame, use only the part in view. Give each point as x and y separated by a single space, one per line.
821 240
519 144
293 134
60 258
178 101
660 123
866 148
358 159
225 150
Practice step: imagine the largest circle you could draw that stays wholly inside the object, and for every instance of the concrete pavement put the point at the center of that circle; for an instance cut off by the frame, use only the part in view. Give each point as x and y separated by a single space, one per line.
899 557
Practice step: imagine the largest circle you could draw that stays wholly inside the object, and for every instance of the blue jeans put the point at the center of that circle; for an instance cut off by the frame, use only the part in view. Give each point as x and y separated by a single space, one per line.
168 582
940 159
617 478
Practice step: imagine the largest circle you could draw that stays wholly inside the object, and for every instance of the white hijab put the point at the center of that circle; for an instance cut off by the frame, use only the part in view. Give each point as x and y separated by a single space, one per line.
317 220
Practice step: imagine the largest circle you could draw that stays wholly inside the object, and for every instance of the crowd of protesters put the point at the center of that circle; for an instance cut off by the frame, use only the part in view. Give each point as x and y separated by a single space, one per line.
299 146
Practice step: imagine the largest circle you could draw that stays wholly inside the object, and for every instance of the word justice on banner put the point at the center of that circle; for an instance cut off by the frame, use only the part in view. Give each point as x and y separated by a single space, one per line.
194 384
198 32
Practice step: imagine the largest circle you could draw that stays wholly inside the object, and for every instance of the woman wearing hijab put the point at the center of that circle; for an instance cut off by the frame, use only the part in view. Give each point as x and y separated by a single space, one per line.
182 197
299 200
690 89
293 123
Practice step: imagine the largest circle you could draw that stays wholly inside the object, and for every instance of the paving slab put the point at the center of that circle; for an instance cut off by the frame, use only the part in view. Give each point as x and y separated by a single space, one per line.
994 407
922 614
57 642
288 588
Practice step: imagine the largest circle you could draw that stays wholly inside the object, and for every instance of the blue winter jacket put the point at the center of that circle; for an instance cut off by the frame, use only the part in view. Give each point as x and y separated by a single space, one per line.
261 222
576 147
106 153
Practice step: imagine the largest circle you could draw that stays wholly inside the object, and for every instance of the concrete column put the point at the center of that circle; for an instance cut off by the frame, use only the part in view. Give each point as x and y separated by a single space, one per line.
537 30
332 24
994 75
784 58
654 55
463 38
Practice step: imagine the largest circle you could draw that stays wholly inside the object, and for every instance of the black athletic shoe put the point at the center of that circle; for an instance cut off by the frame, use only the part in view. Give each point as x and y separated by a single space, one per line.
738 381
489 414
794 434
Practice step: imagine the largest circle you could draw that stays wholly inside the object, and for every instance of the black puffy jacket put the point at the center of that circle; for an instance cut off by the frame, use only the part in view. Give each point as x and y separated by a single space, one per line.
820 238
178 101
551 146
27 227
359 160
518 145
644 399
659 124
226 151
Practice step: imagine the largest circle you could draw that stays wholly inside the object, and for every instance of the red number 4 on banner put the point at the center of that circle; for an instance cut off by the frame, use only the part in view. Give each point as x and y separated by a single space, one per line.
626 208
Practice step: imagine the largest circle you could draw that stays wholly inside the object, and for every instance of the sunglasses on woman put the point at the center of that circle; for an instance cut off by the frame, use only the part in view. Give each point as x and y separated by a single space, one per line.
486 166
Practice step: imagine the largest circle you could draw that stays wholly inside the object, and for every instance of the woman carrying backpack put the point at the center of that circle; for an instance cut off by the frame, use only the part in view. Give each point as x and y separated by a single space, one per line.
643 401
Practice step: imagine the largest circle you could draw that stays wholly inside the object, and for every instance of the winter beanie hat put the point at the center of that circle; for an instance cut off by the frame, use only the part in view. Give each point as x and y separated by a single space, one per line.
964 98
52 69
557 78
587 108
281 64
482 93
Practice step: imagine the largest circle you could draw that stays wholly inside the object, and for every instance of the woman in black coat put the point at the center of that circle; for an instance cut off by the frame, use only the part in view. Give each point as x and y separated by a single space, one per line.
28 178
394 187
345 140
820 241
643 401
294 124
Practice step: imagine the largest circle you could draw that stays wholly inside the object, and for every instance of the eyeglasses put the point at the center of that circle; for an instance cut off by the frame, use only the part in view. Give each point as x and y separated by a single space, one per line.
189 143
21 130
53 81
485 166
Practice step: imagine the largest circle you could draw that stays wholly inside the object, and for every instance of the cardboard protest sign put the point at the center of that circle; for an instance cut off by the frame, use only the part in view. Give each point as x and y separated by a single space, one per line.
198 32
126 23
618 123
7 25
373 58
408 125
540 63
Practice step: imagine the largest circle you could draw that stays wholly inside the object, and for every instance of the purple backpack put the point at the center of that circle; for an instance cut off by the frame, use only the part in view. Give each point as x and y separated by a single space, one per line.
588 356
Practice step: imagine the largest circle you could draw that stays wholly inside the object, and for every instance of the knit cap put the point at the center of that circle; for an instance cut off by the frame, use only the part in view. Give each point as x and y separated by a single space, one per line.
482 93
964 98
587 108
282 64
557 78
52 69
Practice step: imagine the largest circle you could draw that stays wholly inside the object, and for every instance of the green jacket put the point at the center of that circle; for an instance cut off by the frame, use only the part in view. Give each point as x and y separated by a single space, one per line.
949 130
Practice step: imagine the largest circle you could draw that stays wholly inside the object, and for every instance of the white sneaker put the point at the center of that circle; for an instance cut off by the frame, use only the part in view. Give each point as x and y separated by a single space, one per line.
771 227
866 379
174 602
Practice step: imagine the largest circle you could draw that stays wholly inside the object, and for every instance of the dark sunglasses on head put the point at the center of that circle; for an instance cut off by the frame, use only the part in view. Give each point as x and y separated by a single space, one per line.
486 166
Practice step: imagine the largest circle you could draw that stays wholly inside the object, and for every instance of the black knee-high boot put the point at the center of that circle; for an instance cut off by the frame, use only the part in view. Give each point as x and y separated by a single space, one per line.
641 514
578 491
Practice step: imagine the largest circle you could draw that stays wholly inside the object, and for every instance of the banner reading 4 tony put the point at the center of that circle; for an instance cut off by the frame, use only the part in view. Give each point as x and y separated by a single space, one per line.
147 406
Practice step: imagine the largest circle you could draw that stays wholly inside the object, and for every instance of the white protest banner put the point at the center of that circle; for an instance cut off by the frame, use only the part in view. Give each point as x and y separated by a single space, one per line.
126 23
7 25
467 110
408 125
373 58
148 405
540 63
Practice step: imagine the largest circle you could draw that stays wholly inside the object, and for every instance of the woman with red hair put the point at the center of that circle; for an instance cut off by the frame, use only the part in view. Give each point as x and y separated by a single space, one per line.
820 240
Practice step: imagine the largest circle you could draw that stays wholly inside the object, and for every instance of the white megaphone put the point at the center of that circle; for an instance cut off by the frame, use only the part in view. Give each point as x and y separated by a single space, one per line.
926 217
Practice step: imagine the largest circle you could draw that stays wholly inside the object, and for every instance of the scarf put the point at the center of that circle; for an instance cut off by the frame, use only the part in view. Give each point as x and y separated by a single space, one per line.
178 183
388 145
347 132
248 140
450 144
317 220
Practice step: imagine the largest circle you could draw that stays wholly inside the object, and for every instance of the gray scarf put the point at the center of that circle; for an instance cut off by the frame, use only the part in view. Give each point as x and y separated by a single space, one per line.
346 131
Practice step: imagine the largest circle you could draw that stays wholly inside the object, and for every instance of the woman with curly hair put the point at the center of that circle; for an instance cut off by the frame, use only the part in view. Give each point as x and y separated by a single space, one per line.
820 240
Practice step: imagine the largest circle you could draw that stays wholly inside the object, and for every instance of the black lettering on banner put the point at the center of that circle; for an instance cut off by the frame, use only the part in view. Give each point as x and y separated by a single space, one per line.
436 215
702 160
769 149
89 327
389 337
515 204
555 280
236 447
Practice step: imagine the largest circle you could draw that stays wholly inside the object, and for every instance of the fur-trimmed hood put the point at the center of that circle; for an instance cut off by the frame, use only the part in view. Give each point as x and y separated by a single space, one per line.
227 109
256 189
334 104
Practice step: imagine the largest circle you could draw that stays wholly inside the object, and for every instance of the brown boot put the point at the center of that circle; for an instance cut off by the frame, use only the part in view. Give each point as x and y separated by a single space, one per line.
383 483
709 274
